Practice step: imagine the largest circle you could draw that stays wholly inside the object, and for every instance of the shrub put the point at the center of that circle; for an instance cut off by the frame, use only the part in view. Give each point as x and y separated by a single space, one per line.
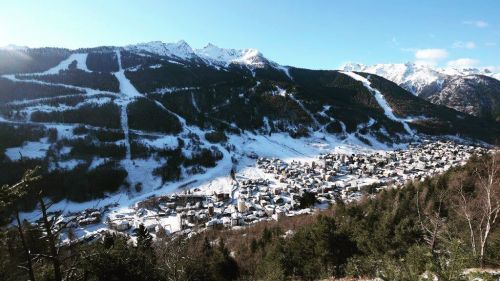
216 136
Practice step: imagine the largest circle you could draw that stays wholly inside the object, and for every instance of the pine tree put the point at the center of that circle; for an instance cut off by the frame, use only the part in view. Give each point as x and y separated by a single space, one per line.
9 197
254 246
144 238
207 248
108 240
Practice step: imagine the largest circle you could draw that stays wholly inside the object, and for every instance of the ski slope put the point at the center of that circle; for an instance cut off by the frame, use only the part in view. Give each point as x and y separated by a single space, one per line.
380 100
81 63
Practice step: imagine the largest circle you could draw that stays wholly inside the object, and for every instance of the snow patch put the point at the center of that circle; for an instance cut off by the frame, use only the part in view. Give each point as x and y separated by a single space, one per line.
169 90
193 101
126 88
70 164
285 70
166 141
30 149
81 63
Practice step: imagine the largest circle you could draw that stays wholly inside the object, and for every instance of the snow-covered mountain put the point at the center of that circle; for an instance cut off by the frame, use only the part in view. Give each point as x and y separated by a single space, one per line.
180 49
477 95
415 77
210 53
225 57
439 85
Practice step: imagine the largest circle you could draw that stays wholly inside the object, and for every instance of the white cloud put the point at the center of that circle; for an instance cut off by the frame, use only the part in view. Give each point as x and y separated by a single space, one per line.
430 56
464 45
463 63
476 23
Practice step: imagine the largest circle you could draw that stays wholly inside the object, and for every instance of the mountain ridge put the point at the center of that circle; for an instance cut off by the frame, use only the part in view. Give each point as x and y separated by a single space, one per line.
473 91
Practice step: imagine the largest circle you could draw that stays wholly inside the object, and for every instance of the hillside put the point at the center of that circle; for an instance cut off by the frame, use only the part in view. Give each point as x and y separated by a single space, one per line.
469 90
155 114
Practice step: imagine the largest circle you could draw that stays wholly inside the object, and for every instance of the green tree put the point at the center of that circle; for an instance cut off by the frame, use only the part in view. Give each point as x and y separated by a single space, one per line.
10 196
144 238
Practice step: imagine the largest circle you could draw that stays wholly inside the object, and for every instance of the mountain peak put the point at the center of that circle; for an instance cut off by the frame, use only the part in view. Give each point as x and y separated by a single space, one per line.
181 49
211 53
224 57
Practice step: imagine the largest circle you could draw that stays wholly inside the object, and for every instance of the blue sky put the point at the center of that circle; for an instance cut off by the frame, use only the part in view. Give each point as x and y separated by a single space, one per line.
312 34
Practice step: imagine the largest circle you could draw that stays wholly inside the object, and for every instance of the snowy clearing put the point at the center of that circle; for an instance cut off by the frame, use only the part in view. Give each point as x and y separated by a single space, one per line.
81 63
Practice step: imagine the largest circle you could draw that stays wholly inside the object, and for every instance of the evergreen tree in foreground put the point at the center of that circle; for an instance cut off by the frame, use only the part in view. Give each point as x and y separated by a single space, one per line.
144 238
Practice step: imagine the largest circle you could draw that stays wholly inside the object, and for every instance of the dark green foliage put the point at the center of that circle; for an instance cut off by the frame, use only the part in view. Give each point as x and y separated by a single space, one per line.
106 115
145 115
172 169
11 252
80 184
15 135
86 148
10 91
102 135
216 136
174 75
102 62
138 187
108 135
80 130
120 262
214 263
139 150
144 238
254 246
271 73
205 157
334 128
314 251
181 103
30 60
307 200
80 78
130 59
52 135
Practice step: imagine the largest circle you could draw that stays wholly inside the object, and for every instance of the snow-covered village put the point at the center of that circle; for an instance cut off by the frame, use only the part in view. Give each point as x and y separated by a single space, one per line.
276 188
